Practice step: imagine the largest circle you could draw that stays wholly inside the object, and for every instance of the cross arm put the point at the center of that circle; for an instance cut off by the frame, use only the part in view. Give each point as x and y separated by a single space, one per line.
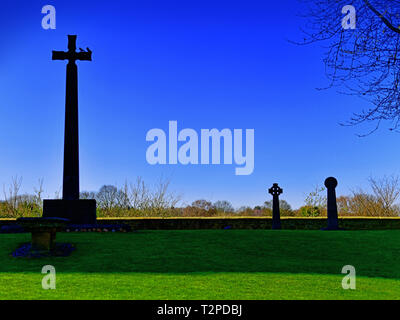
59 55
84 55
62 55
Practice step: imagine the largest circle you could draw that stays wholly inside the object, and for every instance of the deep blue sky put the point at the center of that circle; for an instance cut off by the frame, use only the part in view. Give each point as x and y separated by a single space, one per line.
207 64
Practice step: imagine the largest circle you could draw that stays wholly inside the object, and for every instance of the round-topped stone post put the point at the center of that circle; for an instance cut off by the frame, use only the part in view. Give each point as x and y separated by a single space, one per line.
275 191
333 221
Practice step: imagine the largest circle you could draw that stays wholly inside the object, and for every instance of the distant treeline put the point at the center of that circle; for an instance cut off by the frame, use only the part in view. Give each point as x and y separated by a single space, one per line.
139 200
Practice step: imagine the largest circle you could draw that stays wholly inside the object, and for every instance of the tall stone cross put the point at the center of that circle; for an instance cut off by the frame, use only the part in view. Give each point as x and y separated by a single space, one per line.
78 211
71 136
275 191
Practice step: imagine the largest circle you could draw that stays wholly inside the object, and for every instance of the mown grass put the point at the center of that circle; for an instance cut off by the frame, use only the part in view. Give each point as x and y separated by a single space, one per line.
209 264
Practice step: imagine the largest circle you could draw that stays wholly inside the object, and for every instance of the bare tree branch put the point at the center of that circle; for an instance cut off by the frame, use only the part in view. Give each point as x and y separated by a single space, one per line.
363 62
384 20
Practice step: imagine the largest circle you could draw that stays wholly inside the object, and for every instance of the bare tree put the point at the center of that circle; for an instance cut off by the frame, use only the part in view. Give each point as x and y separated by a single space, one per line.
107 197
57 193
363 204
38 193
87 195
124 201
146 199
363 61
223 206
316 198
202 204
283 205
139 195
11 197
162 197
386 191
382 202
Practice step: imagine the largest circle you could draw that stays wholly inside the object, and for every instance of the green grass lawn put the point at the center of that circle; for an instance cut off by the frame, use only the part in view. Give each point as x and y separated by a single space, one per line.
209 264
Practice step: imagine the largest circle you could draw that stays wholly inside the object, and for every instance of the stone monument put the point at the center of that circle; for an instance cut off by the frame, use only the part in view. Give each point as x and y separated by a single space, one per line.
333 221
275 190
78 211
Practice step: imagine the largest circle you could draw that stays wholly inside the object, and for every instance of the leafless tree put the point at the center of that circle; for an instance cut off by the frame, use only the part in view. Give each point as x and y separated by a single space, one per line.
382 202
162 197
283 205
363 61
124 201
11 197
87 195
316 198
143 197
107 197
38 193
386 190
202 204
57 193
139 195
223 206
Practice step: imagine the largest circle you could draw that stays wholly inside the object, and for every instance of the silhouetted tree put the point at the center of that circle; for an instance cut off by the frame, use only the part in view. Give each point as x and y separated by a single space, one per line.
224 206
363 61
202 204
87 195
283 205
107 197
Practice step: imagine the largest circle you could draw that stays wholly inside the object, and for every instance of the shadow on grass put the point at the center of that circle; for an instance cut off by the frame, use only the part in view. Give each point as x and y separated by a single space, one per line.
372 253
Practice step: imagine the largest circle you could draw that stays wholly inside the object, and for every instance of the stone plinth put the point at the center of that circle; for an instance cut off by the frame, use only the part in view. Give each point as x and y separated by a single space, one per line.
43 231
82 211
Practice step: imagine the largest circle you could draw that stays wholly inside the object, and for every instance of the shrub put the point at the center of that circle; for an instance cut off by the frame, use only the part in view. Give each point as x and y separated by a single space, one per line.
193 211
309 211
284 208
223 206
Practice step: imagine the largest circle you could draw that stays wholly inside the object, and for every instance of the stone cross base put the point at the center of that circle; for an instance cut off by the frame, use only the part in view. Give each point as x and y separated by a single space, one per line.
43 240
81 211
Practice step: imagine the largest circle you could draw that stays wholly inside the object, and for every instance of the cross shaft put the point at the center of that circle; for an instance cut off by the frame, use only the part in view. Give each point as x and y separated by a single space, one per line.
71 135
